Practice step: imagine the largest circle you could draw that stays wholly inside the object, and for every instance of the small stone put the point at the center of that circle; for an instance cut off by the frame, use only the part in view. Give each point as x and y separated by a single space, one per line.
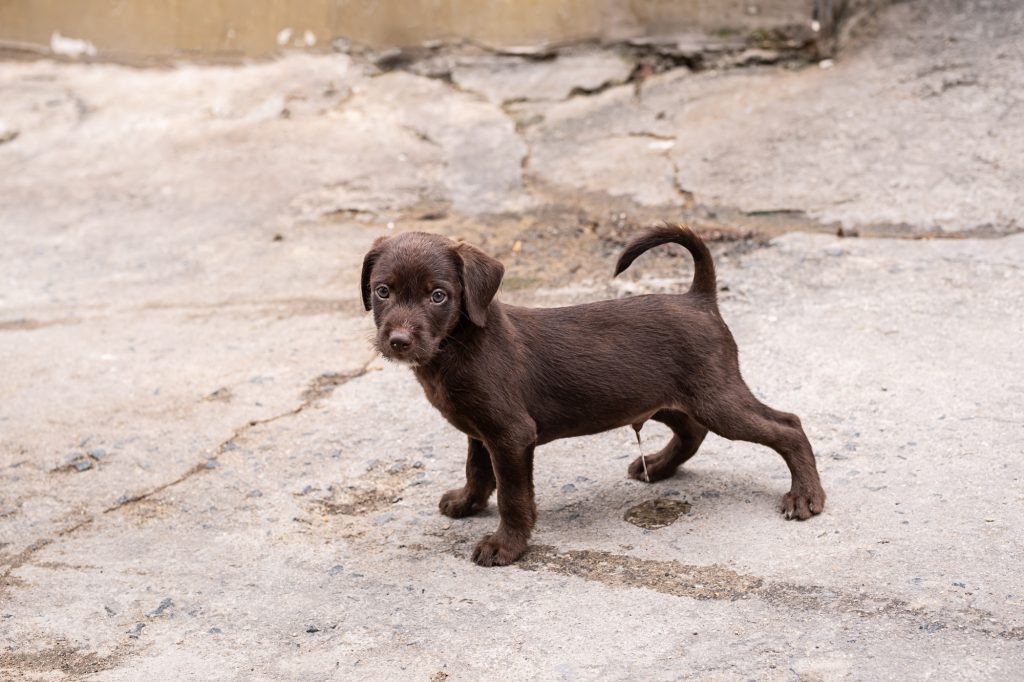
82 465
417 464
336 569
307 490
568 488
165 604
215 631
110 611
255 493
97 453
136 630
419 479
312 628
211 463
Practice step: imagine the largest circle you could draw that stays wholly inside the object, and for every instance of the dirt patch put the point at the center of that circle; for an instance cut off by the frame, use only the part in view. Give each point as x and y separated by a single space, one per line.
657 513
29 325
63 658
324 385
718 582
359 503
668 577
388 484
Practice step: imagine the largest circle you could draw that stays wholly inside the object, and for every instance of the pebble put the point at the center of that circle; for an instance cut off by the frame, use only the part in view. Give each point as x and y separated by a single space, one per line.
214 631
312 628
165 604
97 453
336 569
136 631
568 488
82 465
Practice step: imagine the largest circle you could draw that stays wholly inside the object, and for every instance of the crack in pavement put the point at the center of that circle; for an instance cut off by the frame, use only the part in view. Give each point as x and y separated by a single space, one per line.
7 580
319 388
720 583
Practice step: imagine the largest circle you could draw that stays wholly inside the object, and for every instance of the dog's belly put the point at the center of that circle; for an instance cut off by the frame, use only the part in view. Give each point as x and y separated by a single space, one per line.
588 423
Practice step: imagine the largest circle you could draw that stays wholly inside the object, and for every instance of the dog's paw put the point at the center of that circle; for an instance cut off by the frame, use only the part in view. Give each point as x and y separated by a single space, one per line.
497 550
803 503
458 503
656 469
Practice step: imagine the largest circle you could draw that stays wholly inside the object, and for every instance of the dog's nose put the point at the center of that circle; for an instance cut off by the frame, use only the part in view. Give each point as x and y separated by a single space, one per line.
399 340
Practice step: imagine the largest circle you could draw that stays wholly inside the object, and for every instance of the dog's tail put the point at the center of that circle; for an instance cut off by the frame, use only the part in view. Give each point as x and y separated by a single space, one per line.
704 268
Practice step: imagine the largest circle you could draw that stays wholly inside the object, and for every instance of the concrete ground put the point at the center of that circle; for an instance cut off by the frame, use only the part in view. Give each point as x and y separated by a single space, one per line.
205 473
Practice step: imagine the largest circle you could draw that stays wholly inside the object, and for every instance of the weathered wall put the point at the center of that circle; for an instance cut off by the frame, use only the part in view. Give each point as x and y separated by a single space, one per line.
253 27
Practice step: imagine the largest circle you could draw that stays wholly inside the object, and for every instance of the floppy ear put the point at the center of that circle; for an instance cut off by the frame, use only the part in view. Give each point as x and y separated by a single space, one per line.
481 277
368 262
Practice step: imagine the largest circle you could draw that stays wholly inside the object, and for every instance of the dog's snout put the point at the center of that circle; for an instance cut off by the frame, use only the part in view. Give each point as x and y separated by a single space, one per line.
400 340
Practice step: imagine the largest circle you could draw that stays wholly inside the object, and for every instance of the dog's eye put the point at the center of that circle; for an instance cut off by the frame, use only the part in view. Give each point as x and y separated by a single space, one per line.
438 296
383 291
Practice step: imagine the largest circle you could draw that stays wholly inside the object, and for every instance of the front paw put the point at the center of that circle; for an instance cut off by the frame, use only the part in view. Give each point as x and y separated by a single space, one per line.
803 502
498 549
458 503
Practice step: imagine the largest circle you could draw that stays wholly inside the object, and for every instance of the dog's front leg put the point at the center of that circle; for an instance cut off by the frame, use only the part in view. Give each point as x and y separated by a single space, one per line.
512 461
471 498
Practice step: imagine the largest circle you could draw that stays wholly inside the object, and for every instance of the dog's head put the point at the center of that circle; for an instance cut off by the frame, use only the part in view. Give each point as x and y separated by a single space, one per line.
420 286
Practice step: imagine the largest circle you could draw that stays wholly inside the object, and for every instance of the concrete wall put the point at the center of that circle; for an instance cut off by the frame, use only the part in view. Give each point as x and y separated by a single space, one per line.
255 27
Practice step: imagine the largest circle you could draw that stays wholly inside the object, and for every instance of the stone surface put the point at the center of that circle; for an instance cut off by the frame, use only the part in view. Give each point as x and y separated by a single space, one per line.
504 78
180 258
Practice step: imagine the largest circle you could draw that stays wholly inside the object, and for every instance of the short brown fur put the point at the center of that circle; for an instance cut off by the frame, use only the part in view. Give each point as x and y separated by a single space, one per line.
513 378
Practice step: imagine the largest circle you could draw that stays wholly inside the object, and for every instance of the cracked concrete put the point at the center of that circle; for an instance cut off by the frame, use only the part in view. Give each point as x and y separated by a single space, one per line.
181 251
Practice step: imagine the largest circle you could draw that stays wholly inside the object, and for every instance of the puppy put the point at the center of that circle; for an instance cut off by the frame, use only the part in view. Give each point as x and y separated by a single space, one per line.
513 378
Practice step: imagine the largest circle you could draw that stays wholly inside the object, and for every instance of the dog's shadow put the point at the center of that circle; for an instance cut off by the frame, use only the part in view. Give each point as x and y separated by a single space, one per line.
709 493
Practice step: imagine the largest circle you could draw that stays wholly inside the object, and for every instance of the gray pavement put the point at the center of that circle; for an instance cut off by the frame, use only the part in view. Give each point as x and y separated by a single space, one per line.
205 471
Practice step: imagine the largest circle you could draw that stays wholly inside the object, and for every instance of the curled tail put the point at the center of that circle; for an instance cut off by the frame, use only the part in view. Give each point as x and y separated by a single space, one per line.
704 268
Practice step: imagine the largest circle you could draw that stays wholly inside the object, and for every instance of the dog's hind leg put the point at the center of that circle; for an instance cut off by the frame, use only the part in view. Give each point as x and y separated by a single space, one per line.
741 416
471 498
687 435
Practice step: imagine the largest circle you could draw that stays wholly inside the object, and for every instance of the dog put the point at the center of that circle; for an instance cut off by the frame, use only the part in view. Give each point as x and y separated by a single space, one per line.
514 378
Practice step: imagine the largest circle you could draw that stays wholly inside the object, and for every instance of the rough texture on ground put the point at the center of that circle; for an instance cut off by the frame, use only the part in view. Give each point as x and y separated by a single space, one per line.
204 469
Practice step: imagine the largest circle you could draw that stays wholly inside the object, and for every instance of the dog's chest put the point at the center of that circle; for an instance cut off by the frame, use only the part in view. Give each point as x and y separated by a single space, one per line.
440 396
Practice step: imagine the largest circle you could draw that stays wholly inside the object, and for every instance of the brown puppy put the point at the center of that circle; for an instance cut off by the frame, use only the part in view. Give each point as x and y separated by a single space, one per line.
514 378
